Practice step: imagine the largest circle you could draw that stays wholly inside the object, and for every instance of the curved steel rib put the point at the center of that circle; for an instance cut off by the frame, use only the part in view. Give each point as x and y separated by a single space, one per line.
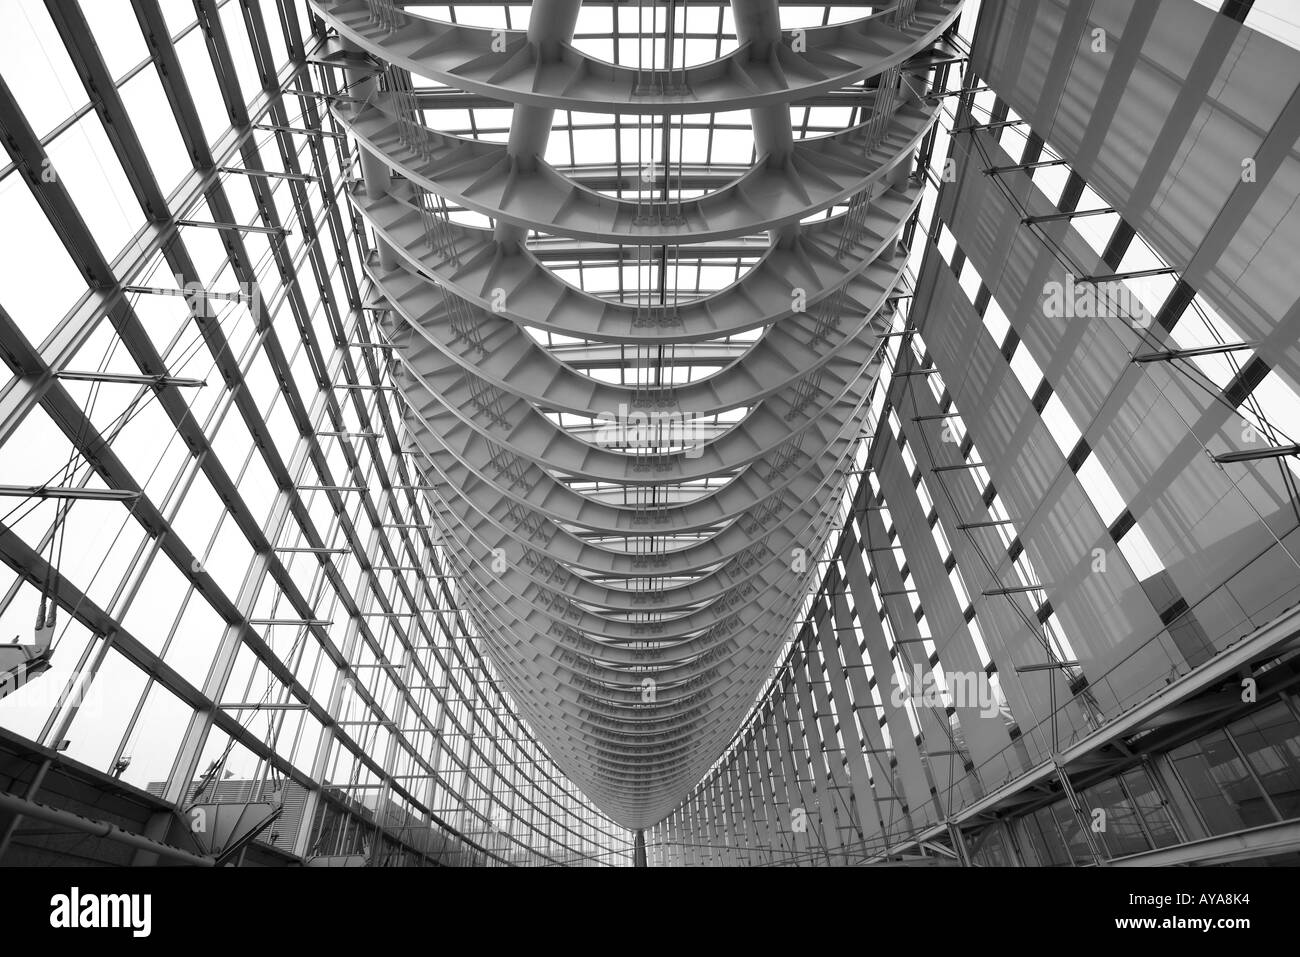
633 552
506 66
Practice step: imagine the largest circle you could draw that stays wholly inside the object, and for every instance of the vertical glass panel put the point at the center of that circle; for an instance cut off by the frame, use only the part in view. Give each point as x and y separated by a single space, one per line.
155 738
1151 806
1122 831
36 67
117 34
156 128
103 719
30 247
1271 742
1075 842
1220 785
86 165
195 60
1045 839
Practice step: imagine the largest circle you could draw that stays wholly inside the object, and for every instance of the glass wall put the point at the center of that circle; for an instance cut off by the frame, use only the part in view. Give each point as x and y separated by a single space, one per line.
202 464
1080 489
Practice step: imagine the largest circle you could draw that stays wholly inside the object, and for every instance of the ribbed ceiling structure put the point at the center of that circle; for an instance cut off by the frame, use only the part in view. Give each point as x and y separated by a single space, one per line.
634 547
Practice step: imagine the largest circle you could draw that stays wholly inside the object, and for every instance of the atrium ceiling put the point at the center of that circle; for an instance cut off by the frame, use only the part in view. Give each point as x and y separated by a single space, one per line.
516 427
635 540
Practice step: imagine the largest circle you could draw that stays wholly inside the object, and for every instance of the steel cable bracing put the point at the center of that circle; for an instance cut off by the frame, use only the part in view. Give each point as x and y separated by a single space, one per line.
631 547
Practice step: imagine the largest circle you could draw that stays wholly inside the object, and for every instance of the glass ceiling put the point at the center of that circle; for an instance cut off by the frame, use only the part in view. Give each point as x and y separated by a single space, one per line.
207 462
206 459
662 252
